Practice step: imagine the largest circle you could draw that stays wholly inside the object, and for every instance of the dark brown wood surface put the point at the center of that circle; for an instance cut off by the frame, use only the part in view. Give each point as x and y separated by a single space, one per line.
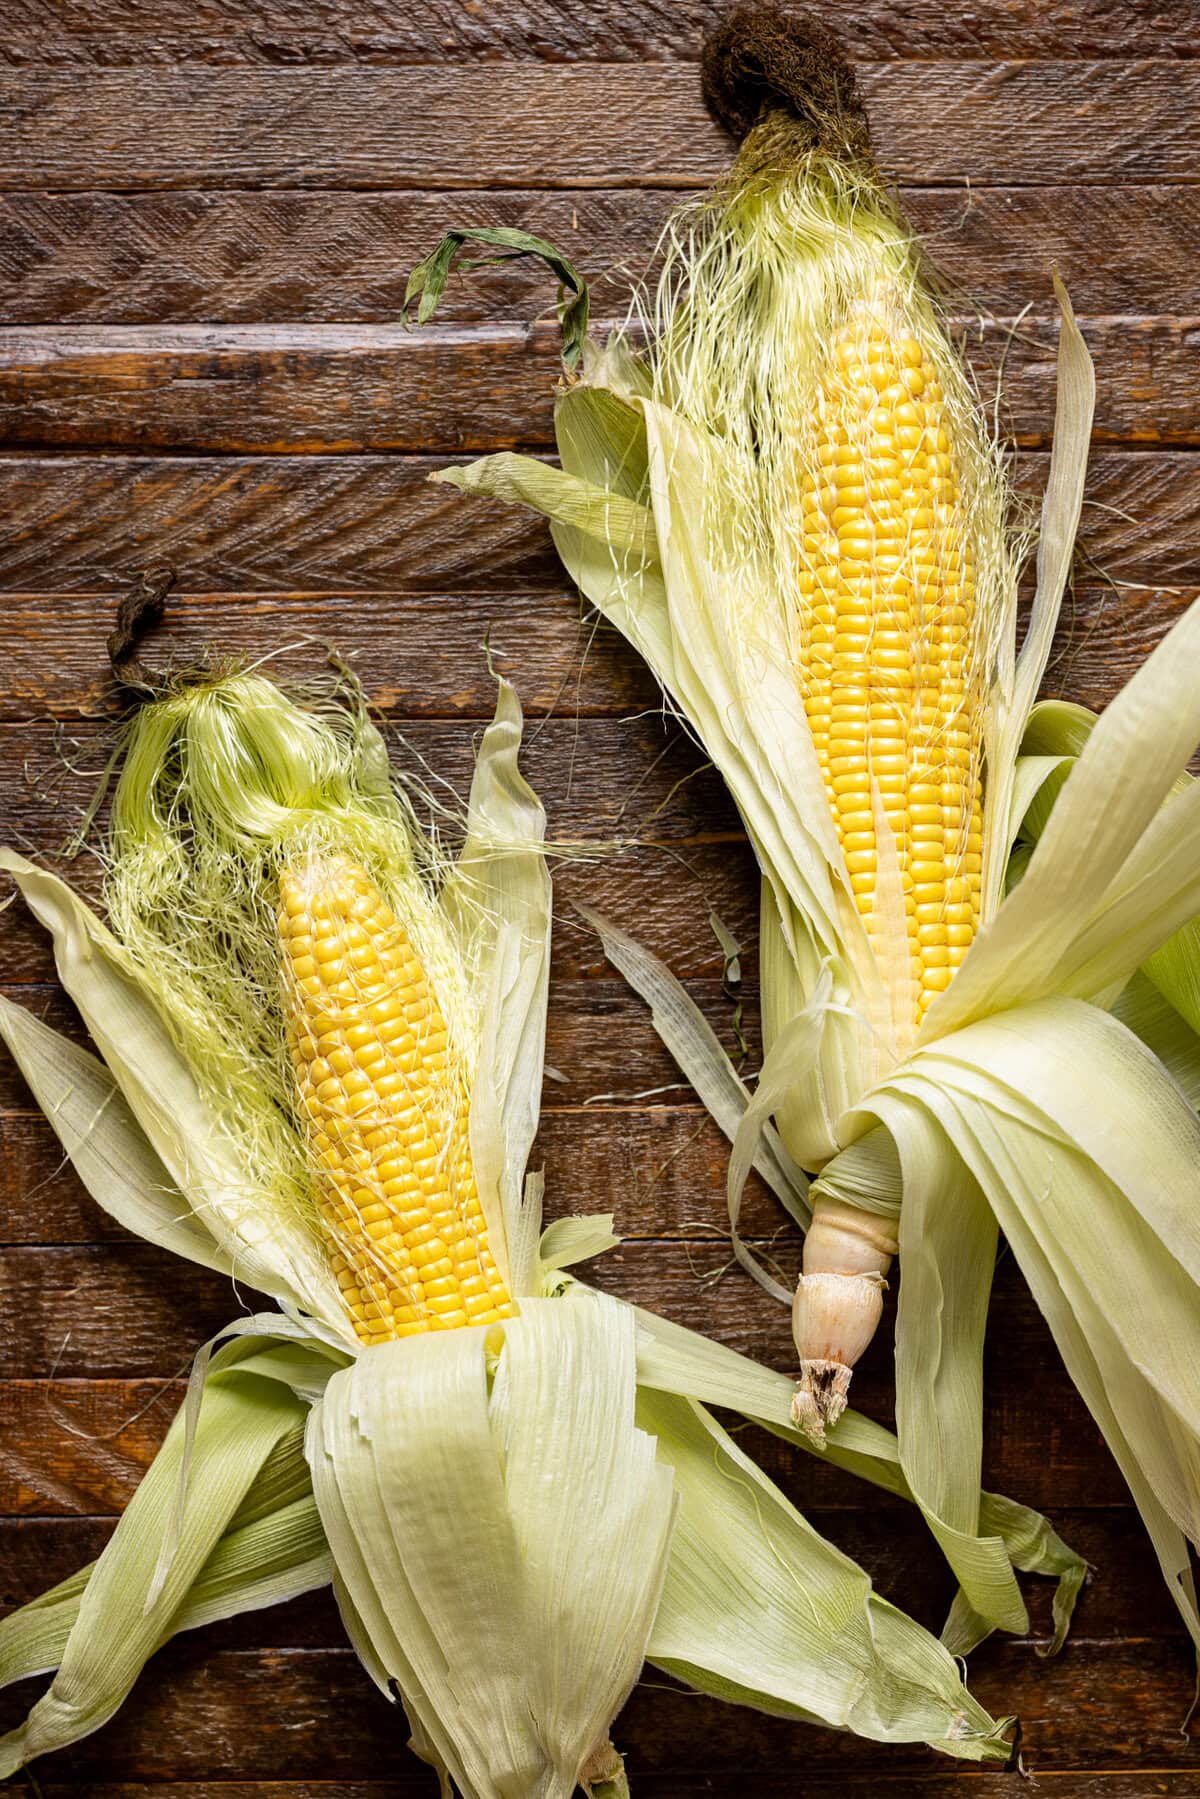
207 213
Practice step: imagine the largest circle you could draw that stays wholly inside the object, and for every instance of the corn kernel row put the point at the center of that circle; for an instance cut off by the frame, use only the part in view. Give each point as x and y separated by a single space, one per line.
385 1108
887 597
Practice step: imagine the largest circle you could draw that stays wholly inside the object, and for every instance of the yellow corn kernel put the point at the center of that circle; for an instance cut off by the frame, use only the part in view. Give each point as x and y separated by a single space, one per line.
385 1105
884 666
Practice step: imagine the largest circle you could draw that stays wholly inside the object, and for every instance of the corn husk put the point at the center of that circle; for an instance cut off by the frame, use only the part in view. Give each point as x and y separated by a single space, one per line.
674 510
507 1514
724 660
1100 920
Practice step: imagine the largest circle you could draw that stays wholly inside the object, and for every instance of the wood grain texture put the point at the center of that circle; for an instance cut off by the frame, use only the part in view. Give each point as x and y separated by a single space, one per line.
934 1783
249 257
321 389
338 1725
325 528
112 33
564 662
207 215
989 122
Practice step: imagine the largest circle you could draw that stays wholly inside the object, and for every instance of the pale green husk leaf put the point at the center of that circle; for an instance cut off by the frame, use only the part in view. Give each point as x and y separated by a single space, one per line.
676 1360
1090 1180
1054 740
1116 871
236 1549
497 899
272 1550
939 1338
758 1608
502 1541
274 1251
111 1153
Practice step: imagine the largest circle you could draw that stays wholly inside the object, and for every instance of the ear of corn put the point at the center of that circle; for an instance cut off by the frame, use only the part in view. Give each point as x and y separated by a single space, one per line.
813 553
886 597
384 1100
499 1518
317 986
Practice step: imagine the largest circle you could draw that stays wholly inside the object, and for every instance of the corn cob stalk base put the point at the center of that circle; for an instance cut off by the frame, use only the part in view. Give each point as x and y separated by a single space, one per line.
837 1307
603 1774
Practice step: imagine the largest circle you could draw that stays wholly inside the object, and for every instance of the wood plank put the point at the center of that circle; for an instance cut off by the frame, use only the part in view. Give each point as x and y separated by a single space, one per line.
604 778
248 257
1125 1596
564 661
614 125
341 389
315 1711
1155 1783
54 646
662 1168
79 1448
126 1311
313 526
113 33
269 525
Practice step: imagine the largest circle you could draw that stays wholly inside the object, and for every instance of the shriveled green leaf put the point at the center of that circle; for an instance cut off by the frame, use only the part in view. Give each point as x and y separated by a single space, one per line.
428 279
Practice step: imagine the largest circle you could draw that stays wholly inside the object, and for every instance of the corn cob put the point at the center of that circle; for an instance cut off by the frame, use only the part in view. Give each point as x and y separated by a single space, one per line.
385 1105
887 594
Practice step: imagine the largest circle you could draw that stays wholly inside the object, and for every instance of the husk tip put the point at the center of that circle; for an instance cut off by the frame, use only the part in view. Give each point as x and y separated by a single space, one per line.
769 59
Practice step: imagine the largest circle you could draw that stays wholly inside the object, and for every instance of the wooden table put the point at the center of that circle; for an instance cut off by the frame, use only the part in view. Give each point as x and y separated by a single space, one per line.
207 214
